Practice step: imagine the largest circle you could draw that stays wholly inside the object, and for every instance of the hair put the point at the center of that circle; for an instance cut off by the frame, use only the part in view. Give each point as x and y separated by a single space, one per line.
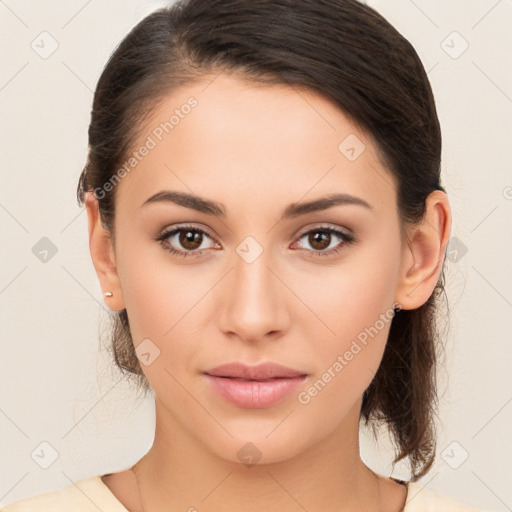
346 52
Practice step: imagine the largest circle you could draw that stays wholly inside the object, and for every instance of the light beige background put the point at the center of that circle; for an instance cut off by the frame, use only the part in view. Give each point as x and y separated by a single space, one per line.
55 383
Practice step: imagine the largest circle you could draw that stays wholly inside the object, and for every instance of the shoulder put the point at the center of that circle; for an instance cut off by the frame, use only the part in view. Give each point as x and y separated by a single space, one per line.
87 495
422 499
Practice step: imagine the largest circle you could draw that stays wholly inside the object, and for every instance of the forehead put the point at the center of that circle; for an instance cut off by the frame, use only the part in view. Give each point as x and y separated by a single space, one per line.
223 135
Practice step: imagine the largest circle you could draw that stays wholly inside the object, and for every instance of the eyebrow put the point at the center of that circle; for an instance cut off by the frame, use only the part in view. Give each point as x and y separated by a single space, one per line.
293 210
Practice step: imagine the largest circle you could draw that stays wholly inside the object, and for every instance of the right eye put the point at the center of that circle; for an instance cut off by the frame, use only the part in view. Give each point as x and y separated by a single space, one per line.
190 239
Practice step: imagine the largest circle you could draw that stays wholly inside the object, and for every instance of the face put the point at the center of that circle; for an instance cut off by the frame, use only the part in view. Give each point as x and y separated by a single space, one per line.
254 278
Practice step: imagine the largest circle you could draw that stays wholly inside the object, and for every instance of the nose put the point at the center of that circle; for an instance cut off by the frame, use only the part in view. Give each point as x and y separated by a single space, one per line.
253 300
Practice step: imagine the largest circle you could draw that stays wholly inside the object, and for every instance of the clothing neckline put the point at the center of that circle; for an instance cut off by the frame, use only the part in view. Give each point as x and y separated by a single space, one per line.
118 503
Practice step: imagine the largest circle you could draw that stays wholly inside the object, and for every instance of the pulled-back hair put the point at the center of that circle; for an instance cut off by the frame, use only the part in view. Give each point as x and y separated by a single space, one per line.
348 53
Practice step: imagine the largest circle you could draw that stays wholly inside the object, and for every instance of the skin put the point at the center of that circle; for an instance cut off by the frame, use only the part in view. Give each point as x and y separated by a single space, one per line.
256 149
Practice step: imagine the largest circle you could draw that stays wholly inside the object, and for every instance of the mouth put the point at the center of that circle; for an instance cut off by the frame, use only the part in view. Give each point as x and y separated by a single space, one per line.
260 372
249 380
254 387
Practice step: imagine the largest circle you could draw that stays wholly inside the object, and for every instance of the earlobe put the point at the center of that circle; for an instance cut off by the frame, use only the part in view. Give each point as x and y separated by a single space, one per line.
423 258
103 256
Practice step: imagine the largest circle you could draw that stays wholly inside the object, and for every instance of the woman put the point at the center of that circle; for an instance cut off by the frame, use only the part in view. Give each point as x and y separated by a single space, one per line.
267 222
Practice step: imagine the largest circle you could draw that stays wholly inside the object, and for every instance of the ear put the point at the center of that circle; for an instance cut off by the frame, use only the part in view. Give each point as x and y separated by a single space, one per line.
423 256
102 253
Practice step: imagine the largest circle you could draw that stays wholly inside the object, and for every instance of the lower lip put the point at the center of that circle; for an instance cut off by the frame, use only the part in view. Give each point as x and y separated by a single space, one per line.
254 394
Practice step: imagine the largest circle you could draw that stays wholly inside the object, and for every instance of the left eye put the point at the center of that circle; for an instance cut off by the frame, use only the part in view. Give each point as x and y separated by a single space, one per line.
320 239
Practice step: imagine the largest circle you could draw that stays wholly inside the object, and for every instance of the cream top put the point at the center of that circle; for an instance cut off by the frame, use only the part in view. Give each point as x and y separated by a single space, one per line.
91 494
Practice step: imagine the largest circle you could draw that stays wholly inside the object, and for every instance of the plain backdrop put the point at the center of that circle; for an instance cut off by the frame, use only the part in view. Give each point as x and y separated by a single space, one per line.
57 386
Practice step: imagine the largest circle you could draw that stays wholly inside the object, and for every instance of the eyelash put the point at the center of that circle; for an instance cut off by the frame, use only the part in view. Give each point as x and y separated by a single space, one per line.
162 239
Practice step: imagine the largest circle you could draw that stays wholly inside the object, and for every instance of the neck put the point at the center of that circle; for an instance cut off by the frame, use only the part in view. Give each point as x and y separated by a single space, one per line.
180 473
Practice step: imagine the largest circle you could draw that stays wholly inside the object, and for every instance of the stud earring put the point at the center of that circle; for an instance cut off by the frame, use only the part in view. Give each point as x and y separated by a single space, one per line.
108 294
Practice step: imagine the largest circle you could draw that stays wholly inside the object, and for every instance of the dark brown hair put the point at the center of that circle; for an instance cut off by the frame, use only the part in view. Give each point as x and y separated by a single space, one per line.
343 50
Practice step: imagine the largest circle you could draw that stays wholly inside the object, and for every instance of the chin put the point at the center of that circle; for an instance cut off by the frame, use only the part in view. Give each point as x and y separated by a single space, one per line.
258 447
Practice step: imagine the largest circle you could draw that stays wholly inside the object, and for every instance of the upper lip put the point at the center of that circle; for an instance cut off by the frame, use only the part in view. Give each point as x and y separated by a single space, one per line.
258 372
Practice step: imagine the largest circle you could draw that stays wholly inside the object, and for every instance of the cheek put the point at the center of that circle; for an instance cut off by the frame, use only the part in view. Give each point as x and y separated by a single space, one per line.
346 361
345 300
160 294
160 309
353 306
164 305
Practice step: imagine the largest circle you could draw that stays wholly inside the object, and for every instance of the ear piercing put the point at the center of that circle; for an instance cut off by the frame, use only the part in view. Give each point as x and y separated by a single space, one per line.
108 294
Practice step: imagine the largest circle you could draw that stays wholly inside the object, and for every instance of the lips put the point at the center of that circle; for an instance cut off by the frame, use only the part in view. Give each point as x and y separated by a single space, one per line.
260 372
254 387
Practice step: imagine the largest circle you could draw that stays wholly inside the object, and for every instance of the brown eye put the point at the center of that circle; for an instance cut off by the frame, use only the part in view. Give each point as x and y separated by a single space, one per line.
184 241
319 240
190 239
